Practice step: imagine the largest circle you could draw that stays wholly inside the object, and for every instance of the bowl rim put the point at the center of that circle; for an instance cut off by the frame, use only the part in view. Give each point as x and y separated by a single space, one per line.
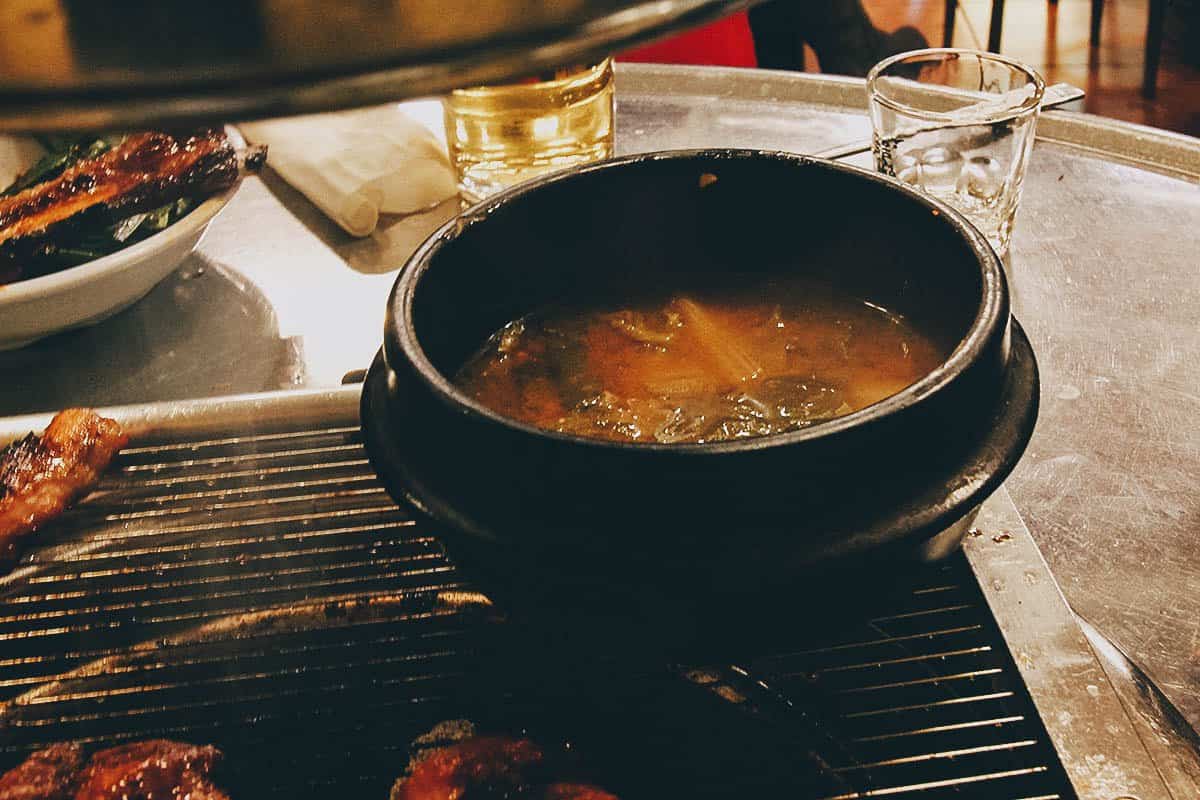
81 274
1030 105
992 310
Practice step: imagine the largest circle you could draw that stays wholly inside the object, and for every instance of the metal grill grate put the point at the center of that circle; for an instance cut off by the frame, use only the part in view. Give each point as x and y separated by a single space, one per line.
263 593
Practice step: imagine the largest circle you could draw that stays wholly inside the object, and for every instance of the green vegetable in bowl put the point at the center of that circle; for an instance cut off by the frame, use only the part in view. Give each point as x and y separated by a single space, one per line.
60 154
90 197
96 237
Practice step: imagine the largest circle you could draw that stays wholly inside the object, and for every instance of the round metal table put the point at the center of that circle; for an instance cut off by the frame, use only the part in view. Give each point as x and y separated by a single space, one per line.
1103 269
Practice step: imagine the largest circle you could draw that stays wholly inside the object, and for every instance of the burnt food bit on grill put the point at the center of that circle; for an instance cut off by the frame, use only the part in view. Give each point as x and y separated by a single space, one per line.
482 766
96 203
490 767
157 768
48 774
41 476
575 791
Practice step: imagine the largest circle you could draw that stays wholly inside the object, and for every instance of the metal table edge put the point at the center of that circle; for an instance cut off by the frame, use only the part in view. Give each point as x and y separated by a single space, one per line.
1099 740
216 416
1175 154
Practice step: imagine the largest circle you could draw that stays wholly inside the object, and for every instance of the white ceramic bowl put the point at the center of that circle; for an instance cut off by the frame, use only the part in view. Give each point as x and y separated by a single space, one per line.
86 294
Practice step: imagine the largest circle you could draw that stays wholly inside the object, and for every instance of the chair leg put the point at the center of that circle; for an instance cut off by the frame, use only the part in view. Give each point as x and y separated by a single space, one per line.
1154 40
996 26
1097 13
951 8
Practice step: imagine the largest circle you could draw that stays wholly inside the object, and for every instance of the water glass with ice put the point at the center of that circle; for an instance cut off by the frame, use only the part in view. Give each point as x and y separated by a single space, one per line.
958 124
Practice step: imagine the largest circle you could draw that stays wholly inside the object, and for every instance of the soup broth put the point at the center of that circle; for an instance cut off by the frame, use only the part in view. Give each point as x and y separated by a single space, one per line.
708 365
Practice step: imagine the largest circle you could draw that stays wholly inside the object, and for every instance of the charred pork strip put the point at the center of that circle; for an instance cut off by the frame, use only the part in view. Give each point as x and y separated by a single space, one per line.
157 768
40 476
489 766
481 767
48 774
143 172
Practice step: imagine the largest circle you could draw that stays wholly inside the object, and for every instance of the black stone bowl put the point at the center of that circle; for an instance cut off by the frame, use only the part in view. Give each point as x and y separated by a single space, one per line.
576 528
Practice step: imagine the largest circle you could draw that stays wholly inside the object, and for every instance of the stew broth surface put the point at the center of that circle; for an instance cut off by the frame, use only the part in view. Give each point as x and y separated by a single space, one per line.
706 365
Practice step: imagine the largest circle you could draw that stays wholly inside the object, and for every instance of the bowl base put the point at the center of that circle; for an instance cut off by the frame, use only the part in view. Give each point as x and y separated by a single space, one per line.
946 515
18 343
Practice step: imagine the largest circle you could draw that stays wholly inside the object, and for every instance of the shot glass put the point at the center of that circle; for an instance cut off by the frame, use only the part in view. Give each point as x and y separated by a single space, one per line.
958 124
501 135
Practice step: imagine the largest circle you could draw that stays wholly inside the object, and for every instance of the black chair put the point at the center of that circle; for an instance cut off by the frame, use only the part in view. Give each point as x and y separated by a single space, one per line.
1154 35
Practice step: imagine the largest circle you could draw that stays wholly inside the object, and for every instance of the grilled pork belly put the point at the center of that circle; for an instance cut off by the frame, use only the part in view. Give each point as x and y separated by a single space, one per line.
489 766
48 774
473 767
144 172
40 476
157 768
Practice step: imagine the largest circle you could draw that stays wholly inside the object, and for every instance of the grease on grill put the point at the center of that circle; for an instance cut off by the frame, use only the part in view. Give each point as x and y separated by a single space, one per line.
452 761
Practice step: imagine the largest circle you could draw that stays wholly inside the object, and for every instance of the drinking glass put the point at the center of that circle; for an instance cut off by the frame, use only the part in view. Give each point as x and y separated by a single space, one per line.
501 135
958 124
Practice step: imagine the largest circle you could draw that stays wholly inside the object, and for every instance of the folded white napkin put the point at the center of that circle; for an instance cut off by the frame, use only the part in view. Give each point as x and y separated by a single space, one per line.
354 165
17 154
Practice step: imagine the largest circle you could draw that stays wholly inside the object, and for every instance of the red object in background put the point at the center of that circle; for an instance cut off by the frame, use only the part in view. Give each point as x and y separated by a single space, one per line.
724 43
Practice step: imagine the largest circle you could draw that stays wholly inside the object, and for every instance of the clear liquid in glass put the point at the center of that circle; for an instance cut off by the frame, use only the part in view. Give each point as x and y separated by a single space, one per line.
502 135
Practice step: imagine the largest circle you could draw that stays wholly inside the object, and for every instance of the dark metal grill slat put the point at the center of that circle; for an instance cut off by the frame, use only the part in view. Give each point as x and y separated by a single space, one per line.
170 503
199 571
877 641
230 477
260 591
93 550
260 442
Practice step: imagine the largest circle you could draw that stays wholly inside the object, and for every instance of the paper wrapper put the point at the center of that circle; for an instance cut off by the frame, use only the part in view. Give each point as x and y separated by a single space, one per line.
17 154
355 165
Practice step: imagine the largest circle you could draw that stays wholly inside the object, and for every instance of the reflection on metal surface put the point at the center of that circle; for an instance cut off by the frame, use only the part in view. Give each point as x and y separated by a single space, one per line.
218 416
1167 736
830 96
84 66
1095 739
204 330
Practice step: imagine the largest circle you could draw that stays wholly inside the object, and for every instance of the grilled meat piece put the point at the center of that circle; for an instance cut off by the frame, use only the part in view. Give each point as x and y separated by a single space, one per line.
489 767
144 172
486 766
40 476
149 770
48 774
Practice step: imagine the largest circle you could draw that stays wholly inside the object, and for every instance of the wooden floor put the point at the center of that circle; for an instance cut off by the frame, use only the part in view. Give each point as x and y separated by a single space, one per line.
1054 39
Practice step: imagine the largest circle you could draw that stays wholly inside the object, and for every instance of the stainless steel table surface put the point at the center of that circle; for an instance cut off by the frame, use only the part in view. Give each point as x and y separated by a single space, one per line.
1105 269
